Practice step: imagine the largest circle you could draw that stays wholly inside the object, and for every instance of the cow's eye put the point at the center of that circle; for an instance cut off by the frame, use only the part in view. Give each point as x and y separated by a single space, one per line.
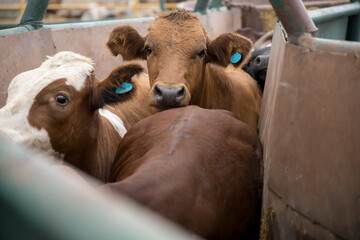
148 50
202 54
60 99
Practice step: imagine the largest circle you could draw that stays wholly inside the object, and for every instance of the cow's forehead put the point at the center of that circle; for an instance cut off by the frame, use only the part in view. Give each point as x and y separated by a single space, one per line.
189 32
64 65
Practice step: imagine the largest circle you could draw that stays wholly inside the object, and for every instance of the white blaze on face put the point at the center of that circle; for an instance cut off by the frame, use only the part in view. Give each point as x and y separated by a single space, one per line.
23 89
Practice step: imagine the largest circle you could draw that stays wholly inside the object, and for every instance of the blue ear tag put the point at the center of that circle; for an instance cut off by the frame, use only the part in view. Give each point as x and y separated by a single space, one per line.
124 88
235 58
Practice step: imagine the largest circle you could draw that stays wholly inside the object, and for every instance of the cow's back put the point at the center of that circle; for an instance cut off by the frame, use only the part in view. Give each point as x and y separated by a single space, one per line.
197 167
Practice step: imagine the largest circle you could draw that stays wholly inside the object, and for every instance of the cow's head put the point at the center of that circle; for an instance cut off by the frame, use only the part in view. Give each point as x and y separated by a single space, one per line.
177 49
53 107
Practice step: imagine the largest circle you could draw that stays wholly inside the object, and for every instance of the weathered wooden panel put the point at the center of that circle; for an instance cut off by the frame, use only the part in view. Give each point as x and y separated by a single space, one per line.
311 133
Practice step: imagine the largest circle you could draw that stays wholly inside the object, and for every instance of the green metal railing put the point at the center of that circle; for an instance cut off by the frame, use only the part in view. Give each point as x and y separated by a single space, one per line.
201 6
37 201
340 22
332 13
31 19
36 9
294 17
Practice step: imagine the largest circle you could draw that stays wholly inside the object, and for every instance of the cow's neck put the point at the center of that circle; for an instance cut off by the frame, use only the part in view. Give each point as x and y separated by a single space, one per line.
214 86
97 152
108 142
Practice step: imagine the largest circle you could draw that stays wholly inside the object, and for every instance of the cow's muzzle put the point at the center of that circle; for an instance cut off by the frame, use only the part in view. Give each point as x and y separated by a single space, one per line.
169 96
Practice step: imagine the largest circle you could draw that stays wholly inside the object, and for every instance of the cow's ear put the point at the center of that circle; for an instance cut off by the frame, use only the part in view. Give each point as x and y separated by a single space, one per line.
126 41
229 48
117 87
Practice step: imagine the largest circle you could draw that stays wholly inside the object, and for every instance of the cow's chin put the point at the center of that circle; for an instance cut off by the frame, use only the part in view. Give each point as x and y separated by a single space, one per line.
163 108
160 107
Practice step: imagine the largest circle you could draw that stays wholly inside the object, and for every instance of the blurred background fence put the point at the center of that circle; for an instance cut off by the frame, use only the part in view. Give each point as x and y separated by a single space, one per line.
75 10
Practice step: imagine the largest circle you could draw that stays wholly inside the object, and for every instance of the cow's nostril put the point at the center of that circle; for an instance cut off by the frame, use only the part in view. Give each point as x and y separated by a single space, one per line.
158 92
181 92
257 60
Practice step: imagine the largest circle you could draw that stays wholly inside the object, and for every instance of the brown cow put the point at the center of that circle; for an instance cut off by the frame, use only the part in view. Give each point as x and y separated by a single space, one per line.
185 67
200 168
61 108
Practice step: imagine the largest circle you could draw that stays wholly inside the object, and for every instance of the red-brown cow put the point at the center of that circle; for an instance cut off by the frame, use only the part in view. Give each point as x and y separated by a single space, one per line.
186 67
61 108
200 168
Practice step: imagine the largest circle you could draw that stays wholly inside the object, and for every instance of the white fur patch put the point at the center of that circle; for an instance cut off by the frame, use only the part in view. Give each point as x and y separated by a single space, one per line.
117 123
23 89
16 128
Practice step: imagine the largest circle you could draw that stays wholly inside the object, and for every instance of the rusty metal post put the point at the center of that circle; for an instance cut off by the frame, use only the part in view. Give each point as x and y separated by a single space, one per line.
294 18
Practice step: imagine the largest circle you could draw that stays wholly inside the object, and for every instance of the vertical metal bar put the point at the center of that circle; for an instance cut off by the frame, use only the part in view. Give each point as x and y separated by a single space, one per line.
31 19
215 3
39 201
34 13
294 18
201 6
162 5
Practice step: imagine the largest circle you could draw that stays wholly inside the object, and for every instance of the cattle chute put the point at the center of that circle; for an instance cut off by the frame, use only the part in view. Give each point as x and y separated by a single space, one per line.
309 110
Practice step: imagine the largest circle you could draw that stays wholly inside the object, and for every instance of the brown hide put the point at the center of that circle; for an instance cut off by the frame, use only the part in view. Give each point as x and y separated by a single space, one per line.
87 140
135 108
180 56
197 167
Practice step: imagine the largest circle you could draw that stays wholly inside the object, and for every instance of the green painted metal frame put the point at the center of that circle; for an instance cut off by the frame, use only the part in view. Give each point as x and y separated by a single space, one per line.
162 5
35 11
297 21
201 6
89 24
340 22
215 4
353 33
333 13
294 17
31 19
38 201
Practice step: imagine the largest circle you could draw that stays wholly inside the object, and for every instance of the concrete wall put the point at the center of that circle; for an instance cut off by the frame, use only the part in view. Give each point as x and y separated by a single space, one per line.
23 52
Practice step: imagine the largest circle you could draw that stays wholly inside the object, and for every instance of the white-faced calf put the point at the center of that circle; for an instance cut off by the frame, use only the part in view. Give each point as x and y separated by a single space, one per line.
61 108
